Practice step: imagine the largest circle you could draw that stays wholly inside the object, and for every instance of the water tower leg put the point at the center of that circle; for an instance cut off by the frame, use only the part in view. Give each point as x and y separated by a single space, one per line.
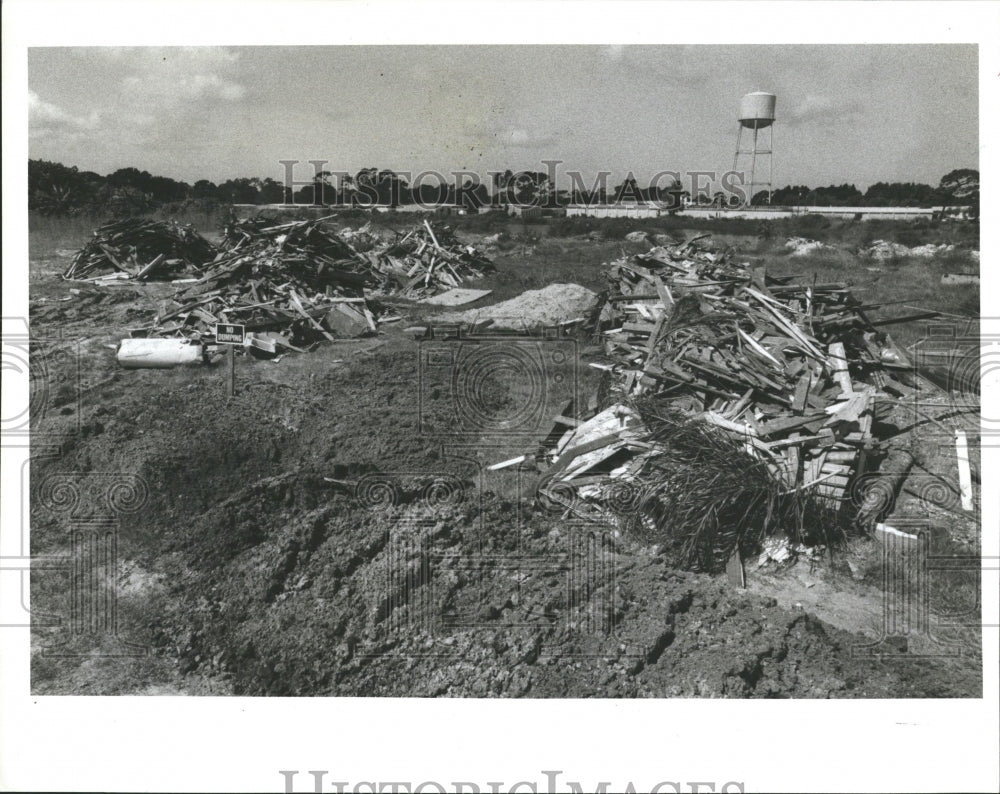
770 163
753 164
739 140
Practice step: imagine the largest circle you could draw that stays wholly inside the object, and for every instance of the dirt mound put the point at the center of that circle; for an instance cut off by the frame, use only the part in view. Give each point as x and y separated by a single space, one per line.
310 537
556 303
313 542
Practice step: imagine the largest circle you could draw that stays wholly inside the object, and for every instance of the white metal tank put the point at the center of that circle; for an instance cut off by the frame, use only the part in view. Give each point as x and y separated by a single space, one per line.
757 110
158 353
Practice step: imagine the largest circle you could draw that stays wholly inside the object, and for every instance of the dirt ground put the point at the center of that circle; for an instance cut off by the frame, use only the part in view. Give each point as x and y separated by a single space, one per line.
334 530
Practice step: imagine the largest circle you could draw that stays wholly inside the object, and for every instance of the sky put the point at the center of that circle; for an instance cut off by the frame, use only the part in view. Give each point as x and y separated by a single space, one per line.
845 113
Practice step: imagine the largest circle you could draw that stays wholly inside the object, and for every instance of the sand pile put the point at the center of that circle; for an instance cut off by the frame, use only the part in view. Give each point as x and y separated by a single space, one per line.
550 305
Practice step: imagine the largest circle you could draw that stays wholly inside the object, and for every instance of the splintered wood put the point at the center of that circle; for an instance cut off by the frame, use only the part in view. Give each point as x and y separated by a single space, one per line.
791 370
140 249
291 284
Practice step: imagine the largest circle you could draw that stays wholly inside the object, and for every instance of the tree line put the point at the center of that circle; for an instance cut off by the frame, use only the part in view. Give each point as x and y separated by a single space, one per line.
960 186
56 189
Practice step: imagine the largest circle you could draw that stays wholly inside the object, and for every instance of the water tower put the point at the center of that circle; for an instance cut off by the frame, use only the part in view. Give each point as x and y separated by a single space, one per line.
756 114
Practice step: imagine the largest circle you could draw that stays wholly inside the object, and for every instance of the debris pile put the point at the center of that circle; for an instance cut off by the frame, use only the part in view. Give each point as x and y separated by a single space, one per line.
800 246
881 250
289 284
293 284
423 262
739 402
140 249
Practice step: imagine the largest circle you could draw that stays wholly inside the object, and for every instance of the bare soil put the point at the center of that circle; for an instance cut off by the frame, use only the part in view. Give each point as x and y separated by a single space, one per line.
314 536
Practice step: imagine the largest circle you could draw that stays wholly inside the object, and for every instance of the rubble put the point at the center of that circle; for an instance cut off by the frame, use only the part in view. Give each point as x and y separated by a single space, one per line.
293 284
880 250
800 246
424 262
735 403
140 249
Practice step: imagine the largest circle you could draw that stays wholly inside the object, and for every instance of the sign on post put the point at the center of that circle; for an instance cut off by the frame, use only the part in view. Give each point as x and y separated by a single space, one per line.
229 334
232 335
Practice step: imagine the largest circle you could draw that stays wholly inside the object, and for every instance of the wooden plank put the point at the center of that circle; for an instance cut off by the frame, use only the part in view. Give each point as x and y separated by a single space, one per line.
838 361
149 267
801 393
757 347
735 572
297 305
664 294
507 463
786 325
788 423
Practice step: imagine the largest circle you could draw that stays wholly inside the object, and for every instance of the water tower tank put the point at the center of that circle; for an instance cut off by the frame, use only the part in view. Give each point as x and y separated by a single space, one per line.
757 110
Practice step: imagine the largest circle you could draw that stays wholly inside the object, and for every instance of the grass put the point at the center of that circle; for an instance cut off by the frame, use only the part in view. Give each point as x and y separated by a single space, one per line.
906 285
848 233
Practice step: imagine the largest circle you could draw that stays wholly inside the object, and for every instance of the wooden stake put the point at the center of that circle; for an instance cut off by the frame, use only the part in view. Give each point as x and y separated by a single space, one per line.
964 472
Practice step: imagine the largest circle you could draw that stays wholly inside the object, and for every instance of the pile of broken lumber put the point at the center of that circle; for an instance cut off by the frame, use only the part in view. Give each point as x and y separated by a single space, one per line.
289 284
295 283
140 249
790 372
424 262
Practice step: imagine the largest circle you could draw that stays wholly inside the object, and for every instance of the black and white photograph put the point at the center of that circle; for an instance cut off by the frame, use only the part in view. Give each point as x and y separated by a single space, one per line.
574 381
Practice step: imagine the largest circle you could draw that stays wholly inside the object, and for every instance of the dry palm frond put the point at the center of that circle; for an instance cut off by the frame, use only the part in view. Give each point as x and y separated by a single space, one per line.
708 496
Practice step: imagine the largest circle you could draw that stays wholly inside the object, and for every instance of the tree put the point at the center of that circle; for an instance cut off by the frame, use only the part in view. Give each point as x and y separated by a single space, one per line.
791 195
365 187
961 186
524 188
501 181
836 196
628 190
164 189
672 195
53 188
271 191
901 194
391 188
238 191
204 189
322 191
55 200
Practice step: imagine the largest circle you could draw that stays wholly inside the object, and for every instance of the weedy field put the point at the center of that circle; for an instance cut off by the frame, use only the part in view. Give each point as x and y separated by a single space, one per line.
310 537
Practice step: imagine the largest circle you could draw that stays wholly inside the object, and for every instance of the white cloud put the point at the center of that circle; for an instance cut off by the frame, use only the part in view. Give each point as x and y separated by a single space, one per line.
172 76
44 117
828 110
144 97
523 138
